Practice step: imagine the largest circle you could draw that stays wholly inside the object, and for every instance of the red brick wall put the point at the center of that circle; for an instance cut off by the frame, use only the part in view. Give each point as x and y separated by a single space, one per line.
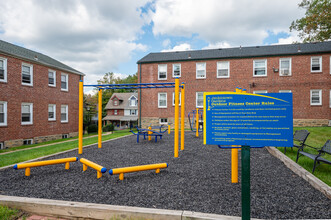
241 75
40 94
120 112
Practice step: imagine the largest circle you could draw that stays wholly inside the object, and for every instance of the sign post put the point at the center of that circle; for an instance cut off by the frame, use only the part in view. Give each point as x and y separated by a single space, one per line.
250 120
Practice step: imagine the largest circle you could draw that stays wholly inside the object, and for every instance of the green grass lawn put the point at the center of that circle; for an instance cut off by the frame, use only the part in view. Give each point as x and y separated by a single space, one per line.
317 138
8 214
32 153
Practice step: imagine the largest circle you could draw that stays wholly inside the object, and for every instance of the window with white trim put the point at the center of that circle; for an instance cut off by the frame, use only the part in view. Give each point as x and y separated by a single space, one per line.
27 141
285 91
133 112
176 70
27 113
199 99
64 113
162 71
133 101
3 113
316 64
223 69
285 67
162 100
163 121
115 112
200 70
315 97
51 112
3 69
259 67
64 82
27 74
173 98
260 92
52 78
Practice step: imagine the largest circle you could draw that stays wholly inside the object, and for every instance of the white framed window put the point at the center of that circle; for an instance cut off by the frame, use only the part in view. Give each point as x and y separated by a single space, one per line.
115 112
27 74
64 113
51 112
316 97
173 98
162 72
2 146
115 102
316 64
3 69
259 68
260 92
285 67
64 82
176 70
285 91
3 113
27 141
201 70
162 100
223 69
52 78
133 112
163 121
133 101
27 113
199 99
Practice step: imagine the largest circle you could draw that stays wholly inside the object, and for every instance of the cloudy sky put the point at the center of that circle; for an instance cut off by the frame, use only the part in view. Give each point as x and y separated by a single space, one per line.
102 36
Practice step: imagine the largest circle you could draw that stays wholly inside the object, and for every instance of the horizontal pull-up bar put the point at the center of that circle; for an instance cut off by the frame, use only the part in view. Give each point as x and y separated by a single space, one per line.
133 84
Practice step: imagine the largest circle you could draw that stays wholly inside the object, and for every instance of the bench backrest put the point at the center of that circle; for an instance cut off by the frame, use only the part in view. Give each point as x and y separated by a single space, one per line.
327 147
301 135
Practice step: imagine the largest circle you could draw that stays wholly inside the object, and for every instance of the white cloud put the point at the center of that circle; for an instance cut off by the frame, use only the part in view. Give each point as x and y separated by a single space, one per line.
166 43
290 39
218 45
181 47
237 22
93 38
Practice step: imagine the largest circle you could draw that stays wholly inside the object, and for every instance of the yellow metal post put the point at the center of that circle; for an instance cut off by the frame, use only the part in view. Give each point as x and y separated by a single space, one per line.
197 123
100 120
149 133
169 129
176 116
182 118
27 171
234 165
123 170
80 118
67 165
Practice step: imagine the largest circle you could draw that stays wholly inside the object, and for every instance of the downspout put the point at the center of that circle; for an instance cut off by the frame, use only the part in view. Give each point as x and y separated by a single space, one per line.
140 96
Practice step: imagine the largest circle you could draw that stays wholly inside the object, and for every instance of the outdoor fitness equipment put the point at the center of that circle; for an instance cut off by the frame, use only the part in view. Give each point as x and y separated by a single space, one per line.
27 166
175 85
132 169
93 165
196 125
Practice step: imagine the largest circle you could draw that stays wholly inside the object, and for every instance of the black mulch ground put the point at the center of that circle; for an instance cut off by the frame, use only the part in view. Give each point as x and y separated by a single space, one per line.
199 180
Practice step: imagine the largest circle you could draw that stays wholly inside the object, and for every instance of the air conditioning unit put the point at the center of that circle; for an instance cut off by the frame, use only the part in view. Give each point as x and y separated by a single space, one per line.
284 72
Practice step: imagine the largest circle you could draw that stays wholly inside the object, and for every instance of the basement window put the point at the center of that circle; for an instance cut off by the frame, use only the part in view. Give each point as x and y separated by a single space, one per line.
64 136
2 146
163 121
27 141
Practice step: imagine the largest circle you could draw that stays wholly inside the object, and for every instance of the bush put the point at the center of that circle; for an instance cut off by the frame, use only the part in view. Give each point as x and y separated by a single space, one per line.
92 129
109 127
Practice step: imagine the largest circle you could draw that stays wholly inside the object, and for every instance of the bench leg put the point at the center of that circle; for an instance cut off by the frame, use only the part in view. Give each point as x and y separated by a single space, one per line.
137 138
27 171
121 176
314 165
155 138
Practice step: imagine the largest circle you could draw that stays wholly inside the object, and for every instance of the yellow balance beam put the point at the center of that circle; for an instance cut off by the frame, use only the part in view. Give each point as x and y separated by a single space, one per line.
97 167
123 170
27 166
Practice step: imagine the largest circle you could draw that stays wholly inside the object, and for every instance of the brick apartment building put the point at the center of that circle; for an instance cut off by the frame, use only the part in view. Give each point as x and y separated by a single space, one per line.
303 69
38 97
122 110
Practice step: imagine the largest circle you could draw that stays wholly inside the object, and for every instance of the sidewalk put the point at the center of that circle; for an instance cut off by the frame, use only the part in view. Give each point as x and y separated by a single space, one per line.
53 144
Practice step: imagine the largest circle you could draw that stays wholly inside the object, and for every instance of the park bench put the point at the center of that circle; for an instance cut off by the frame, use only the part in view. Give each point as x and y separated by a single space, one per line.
326 149
299 136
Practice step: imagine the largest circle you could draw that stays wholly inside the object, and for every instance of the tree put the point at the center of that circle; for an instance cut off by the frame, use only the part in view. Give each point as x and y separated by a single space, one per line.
316 25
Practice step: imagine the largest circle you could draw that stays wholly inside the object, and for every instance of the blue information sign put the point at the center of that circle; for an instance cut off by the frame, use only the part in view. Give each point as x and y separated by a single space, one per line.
255 120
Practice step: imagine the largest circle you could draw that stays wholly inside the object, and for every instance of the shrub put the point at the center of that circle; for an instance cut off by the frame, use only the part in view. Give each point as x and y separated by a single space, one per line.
92 129
109 127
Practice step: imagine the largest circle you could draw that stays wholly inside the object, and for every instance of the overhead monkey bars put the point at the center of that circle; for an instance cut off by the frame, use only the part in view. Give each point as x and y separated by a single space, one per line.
175 85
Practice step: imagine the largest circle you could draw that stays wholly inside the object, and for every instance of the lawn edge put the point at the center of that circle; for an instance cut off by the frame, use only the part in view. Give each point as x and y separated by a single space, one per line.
62 152
302 172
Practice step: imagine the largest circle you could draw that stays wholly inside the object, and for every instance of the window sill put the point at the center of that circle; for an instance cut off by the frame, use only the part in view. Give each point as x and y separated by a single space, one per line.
3 81
64 90
285 75
51 120
316 72
315 104
24 84
223 77
54 86
64 122
3 125
162 79
201 78
26 124
162 107
260 76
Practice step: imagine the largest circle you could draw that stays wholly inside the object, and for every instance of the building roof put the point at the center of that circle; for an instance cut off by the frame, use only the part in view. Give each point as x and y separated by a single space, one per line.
124 98
239 52
34 57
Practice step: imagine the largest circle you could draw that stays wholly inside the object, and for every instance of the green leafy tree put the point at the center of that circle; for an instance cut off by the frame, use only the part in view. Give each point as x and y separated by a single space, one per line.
316 25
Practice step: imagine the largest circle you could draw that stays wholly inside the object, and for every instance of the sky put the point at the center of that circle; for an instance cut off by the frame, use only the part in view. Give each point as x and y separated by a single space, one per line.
100 36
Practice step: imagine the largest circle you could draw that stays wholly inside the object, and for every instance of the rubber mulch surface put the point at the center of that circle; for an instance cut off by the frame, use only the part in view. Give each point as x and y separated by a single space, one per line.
199 180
